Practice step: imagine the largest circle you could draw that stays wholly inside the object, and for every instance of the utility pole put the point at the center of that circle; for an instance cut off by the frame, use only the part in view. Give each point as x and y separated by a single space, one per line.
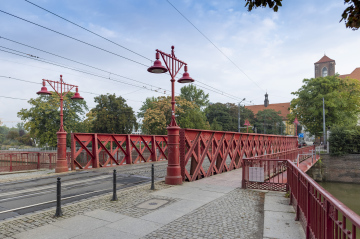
239 115
239 119
266 103
324 130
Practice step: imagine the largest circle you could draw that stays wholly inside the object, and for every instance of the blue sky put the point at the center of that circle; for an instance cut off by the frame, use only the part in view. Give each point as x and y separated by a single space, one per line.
275 51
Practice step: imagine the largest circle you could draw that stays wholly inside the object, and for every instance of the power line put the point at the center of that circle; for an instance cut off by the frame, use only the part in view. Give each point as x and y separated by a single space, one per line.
75 61
73 38
11 97
38 83
26 55
20 80
71 68
108 78
214 44
88 30
39 59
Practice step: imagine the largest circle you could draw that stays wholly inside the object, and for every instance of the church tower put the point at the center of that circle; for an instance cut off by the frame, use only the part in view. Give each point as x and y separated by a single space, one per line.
324 67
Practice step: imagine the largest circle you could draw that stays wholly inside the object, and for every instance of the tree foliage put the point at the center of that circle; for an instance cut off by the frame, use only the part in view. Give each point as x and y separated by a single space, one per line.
197 96
225 117
351 14
342 102
344 140
149 103
42 120
268 121
112 115
158 115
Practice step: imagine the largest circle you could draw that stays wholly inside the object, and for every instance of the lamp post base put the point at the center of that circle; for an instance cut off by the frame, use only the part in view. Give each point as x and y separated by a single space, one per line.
61 162
173 176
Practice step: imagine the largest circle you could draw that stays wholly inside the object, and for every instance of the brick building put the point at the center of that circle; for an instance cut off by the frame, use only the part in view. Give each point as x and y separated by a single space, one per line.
324 67
284 108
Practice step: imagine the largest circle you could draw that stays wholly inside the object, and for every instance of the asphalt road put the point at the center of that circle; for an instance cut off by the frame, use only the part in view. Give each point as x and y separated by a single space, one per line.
22 197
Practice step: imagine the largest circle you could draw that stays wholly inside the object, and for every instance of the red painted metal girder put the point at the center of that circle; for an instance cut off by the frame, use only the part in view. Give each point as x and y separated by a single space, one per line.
105 148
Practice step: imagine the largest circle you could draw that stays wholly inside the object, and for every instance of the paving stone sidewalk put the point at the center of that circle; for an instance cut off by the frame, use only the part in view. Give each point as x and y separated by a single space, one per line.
213 207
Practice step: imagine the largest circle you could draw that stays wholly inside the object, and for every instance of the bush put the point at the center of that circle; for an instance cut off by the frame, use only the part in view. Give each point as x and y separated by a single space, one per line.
344 140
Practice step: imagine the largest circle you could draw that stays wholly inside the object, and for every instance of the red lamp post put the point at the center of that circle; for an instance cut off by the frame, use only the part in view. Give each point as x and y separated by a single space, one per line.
61 88
173 66
296 122
247 124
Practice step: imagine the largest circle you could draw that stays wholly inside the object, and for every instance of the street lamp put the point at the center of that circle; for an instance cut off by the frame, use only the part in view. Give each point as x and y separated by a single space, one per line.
296 122
247 124
173 66
61 88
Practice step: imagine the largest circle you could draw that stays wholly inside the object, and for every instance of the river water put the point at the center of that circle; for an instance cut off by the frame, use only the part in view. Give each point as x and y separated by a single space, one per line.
347 193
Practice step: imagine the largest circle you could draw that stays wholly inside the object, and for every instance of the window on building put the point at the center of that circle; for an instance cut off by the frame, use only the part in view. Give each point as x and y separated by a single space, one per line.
324 72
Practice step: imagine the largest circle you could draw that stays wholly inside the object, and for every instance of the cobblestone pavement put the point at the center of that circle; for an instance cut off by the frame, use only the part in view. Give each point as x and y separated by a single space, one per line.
238 214
126 205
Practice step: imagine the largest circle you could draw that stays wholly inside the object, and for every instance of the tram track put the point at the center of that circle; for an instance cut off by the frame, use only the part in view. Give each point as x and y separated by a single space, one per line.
26 196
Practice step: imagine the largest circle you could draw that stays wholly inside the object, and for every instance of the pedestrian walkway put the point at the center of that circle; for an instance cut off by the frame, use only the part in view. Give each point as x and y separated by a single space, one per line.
213 207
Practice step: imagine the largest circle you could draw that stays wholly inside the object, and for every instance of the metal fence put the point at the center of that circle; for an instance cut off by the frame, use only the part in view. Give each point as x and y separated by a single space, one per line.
17 161
204 153
320 213
268 172
106 150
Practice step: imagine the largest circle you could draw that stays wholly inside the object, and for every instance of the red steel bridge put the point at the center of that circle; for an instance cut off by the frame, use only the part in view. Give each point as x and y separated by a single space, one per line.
267 162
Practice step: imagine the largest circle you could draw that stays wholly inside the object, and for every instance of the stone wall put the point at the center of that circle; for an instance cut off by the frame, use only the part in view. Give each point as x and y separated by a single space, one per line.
345 169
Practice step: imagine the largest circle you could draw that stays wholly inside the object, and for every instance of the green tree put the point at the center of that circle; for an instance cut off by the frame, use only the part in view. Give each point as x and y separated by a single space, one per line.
113 115
227 116
220 113
197 96
21 128
42 120
3 132
351 14
269 121
149 103
12 135
342 103
158 116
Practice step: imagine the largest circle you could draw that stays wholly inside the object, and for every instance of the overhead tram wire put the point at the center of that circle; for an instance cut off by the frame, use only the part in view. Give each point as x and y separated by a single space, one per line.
105 38
13 98
73 38
38 83
79 62
82 71
88 30
214 45
218 91
25 55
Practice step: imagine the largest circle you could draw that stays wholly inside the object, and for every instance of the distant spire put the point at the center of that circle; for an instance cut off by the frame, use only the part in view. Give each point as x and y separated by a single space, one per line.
266 101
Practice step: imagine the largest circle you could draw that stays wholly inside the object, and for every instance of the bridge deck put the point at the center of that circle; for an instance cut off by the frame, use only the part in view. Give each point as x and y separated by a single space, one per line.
304 166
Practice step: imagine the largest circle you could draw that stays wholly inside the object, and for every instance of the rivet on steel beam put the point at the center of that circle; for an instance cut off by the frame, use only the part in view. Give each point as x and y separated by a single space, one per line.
114 197
58 212
152 178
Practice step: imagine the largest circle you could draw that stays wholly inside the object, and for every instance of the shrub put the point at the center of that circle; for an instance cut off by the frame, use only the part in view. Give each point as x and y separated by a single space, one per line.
344 140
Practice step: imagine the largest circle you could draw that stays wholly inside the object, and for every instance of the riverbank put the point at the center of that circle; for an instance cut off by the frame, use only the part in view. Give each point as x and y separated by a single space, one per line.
341 169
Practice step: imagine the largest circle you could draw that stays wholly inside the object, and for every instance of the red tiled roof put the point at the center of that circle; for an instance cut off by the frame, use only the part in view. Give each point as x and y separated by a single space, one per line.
283 107
324 59
354 75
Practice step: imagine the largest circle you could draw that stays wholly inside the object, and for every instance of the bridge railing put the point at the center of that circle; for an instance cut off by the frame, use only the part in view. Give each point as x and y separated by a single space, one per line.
320 213
204 152
264 174
268 172
90 150
18 161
